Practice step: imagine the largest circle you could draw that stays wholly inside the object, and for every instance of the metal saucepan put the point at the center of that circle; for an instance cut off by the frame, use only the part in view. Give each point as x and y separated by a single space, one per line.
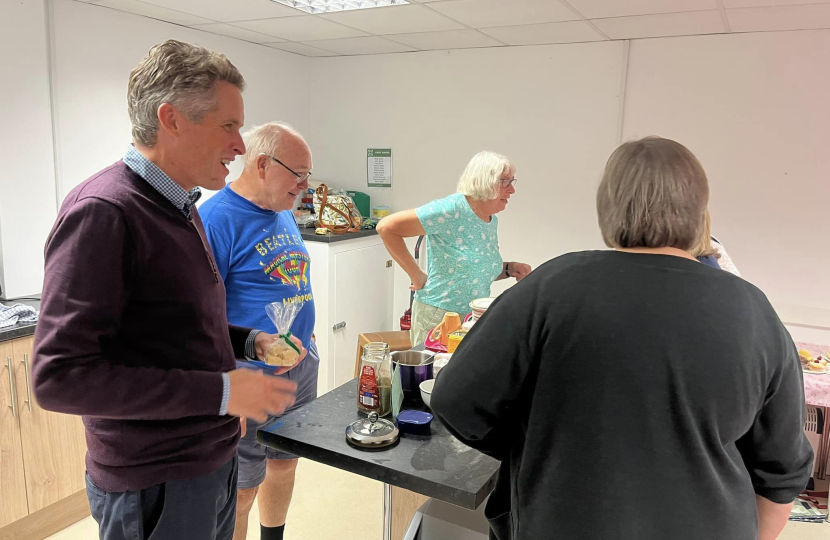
416 367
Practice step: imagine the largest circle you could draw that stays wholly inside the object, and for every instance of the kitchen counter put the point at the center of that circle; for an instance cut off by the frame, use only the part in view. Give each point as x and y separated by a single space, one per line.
22 329
438 466
309 236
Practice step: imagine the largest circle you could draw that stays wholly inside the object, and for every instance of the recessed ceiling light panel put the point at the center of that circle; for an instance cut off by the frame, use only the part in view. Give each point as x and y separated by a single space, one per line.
330 6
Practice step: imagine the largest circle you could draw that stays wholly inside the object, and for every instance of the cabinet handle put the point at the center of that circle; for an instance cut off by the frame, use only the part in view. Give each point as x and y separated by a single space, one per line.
28 381
11 387
338 326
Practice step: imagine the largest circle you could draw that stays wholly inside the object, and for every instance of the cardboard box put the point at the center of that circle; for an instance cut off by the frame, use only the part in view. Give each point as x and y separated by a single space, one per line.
398 340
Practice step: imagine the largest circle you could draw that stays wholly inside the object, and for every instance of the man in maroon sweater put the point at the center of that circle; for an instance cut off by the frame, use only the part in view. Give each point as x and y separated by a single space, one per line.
133 334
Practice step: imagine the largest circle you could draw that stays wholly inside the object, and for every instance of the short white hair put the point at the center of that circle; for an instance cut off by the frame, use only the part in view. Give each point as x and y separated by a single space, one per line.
482 177
267 139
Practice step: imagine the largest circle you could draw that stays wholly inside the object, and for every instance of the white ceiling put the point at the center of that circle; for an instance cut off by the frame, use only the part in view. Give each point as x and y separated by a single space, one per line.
464 24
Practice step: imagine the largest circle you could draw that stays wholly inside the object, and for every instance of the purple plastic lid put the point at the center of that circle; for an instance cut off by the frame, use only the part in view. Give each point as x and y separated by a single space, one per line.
414 417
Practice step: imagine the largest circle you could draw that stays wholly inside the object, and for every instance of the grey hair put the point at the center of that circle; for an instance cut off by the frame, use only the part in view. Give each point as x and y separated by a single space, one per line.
267 139
653 194
182 75
480 180
705 247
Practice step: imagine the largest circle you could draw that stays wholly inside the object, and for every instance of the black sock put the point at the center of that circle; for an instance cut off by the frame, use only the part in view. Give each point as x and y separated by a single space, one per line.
271 533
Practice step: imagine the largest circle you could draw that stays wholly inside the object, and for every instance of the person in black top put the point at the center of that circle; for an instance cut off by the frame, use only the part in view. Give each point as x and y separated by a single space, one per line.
634 394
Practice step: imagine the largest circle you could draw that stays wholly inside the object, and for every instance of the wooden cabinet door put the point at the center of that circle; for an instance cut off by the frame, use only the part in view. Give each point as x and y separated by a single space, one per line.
54 445
404 505
13 504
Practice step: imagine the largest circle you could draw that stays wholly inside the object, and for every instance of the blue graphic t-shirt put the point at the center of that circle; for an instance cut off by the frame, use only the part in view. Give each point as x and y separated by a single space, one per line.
262 259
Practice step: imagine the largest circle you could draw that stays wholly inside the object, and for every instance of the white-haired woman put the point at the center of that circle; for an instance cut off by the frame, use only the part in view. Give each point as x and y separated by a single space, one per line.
462 243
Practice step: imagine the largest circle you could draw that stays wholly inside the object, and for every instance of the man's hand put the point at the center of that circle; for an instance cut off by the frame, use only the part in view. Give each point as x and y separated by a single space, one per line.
256 395
263 341
518 270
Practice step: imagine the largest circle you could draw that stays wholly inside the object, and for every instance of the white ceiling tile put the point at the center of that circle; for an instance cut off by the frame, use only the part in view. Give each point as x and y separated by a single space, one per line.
229 11
599 9
540 34
300 48
667 24
244 34
485 13
307 28
394 20
153 11
453 39
803 17
759 3
361 45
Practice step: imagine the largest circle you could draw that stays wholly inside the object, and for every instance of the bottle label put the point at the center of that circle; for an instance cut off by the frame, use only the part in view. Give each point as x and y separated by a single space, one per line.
368 395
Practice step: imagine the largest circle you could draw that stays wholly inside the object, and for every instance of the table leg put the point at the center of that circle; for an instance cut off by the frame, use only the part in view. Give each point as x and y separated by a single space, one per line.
823 447
387 512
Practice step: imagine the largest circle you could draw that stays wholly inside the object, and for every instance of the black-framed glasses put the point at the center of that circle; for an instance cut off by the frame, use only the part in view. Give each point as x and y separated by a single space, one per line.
300 177
507 182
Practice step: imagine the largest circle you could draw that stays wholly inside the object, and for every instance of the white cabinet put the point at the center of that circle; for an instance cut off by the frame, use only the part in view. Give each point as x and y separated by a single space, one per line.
352 280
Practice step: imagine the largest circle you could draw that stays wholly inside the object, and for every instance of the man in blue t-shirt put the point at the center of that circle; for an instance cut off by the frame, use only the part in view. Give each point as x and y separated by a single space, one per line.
262 258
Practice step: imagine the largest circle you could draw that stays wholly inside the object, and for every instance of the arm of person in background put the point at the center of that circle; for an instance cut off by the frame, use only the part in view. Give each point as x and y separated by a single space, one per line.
775 450
515 270
86 286
772 517
477 396
393 230
725 261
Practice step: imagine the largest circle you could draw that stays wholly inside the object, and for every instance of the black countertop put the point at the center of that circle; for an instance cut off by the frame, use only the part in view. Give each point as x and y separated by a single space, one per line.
438 466
21 329
310 236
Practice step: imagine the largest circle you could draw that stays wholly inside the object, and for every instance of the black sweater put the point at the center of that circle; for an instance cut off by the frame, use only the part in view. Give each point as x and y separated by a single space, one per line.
630 396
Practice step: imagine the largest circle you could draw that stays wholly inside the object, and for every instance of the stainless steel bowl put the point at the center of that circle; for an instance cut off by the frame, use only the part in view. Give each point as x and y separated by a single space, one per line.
413 358
415 368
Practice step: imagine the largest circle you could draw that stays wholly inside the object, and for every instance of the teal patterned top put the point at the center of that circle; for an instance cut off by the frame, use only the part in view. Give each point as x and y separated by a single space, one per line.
463 255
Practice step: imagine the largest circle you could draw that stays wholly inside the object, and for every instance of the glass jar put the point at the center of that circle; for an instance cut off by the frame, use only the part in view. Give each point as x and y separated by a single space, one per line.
374 380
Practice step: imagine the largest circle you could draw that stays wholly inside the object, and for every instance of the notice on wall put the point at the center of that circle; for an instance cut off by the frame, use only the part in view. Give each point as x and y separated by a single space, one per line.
379 167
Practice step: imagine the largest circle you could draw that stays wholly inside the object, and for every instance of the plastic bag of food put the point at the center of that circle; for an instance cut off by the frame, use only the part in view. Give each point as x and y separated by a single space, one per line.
283 351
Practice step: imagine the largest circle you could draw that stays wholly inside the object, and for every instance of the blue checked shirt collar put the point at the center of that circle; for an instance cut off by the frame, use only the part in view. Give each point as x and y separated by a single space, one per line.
173 192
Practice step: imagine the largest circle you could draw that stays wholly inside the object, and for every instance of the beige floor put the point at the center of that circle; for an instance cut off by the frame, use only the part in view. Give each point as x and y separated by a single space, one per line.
332 504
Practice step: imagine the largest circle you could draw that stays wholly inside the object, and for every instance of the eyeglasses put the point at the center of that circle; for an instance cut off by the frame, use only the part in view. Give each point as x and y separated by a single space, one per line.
507 182
300 177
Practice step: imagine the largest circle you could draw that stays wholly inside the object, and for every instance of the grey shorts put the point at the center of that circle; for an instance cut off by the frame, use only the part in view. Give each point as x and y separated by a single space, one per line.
253 455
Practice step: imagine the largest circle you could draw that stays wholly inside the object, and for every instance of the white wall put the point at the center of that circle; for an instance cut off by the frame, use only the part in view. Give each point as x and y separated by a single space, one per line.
552 109
27 183
95 50
754 108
